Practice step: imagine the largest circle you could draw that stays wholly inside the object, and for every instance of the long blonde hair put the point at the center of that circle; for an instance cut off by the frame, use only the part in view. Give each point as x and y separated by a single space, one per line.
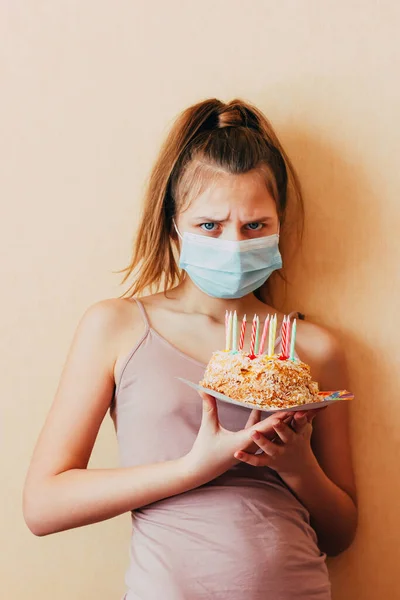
206 139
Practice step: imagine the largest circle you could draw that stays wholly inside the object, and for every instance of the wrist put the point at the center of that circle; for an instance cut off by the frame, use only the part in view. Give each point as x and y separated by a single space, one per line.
188 471
306 470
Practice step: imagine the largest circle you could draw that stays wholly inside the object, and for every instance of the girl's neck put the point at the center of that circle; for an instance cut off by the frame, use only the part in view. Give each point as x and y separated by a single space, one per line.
193 300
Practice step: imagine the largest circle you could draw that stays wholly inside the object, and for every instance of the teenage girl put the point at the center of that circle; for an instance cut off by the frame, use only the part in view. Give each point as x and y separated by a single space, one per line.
224 504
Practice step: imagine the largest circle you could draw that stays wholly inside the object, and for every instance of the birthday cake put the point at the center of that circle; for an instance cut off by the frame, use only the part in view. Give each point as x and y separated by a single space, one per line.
265 380
262 380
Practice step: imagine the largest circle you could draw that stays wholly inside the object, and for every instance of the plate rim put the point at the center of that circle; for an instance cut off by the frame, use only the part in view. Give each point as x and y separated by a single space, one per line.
297 408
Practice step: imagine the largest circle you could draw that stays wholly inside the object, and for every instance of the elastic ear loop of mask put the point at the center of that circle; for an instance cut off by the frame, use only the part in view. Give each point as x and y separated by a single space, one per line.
176 229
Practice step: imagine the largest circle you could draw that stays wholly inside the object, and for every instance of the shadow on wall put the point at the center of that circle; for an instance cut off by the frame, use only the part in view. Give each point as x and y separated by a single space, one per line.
338 279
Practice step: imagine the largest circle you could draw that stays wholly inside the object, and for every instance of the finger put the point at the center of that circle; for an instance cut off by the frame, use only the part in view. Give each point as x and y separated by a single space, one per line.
210 410
310 414
285 433
303 418
209 402
282 415
300 422
268 423
289 420
256 460
254 418
315 411
265 427
265 444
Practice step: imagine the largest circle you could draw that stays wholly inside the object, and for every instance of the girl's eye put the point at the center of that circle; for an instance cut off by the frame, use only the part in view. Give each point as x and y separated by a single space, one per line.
208 226
254 226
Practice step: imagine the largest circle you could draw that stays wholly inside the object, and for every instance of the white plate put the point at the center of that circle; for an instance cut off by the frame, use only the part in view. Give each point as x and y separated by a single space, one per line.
329 398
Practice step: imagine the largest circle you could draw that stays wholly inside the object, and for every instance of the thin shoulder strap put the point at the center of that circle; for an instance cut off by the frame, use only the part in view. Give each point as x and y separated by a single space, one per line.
143 313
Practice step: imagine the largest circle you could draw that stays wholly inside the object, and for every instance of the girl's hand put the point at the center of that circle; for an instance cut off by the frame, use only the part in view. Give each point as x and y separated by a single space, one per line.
291 453
213 450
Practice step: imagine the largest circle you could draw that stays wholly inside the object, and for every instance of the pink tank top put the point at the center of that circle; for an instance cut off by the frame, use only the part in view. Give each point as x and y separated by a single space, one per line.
243 536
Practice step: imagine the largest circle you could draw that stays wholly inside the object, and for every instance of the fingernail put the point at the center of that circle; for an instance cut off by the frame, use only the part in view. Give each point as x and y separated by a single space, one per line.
256 435
239 455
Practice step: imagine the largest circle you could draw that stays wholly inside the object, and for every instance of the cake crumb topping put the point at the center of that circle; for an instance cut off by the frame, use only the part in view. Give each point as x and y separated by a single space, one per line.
266 381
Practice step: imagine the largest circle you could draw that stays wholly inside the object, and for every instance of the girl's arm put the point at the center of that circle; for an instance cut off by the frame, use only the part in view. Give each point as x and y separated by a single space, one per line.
318 467
335 517
60 492
333 510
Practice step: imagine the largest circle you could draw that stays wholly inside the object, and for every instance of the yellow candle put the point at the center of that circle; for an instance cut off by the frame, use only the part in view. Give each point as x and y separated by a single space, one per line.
234 336
257 344
274 325
293 341
229 333
270 334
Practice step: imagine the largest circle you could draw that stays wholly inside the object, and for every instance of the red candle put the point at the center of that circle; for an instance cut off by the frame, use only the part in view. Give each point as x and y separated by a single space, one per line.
264 335
242 332
253 335
284 335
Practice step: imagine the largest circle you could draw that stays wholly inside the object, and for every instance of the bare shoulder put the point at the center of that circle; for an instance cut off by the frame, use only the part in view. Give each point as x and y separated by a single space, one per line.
115 323
319 341
108 313
322 350
111 316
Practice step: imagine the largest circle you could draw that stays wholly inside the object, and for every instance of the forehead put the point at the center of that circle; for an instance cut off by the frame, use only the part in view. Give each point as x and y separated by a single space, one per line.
244 195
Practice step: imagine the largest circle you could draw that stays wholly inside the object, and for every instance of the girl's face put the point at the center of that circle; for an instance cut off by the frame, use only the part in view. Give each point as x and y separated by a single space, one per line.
235 207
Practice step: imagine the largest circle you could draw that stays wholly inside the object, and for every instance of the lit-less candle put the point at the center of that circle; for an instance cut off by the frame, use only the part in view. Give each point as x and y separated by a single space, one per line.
253 336
257 344
287 346
228 333
242 332
283 336
270 334
274 326
293 340
234 335
264 335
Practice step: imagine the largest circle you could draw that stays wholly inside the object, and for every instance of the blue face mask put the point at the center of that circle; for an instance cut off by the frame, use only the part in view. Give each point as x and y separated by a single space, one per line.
229 269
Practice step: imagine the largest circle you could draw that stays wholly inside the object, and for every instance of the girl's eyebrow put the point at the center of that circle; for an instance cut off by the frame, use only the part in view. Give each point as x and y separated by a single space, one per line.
269 218
210 219
214 220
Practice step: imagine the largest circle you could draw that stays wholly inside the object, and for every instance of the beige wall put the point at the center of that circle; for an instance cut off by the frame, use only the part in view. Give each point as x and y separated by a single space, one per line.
88 90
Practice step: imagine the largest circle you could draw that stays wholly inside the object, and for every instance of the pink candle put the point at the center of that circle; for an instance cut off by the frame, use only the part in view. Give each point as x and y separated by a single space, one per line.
242 332
287 347
253 335
284 335
264 335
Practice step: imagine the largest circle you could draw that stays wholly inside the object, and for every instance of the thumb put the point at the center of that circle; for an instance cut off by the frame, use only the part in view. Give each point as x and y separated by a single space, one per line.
210 410
300 420
254 417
